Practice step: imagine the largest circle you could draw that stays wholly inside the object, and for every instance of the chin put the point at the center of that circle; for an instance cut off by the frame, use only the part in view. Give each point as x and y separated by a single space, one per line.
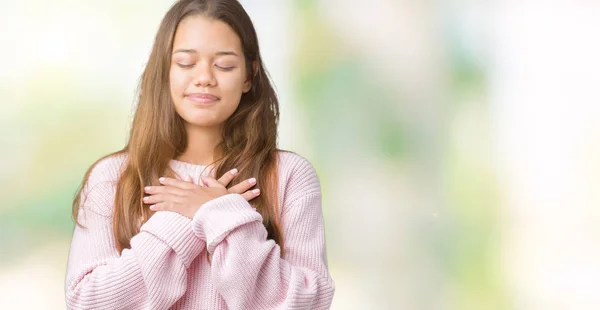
202 120
209 117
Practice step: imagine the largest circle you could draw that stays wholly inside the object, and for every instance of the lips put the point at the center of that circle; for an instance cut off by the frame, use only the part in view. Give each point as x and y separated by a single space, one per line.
202 98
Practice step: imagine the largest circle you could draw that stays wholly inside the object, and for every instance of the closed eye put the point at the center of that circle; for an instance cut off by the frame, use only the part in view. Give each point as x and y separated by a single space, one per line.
224 68
185 66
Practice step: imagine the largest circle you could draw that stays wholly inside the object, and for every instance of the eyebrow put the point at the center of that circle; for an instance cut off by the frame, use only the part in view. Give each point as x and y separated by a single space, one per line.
193 51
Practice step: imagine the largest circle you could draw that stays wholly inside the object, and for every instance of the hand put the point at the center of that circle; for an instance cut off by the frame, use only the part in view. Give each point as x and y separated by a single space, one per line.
186 198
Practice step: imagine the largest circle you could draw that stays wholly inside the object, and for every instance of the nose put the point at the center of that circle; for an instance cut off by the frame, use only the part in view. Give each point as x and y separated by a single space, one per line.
203 75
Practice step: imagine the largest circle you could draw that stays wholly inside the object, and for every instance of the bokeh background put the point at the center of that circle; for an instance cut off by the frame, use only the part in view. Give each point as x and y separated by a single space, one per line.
457 142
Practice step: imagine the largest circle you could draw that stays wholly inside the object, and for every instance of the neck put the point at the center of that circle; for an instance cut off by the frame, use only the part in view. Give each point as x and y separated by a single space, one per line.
201 145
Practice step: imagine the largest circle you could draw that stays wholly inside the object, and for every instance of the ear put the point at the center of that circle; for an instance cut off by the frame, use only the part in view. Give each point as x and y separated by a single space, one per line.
248 82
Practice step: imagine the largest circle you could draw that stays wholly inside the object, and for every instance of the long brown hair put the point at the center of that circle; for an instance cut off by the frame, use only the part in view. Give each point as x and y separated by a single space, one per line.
249 137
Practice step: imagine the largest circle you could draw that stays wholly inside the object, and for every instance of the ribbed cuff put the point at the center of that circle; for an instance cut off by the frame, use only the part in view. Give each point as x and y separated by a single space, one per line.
175 230
218 217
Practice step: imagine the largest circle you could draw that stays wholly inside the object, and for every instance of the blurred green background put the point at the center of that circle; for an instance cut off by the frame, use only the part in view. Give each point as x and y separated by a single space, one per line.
457 142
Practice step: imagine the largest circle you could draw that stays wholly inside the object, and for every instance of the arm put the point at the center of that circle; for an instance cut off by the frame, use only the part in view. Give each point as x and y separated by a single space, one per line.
247 268
151 274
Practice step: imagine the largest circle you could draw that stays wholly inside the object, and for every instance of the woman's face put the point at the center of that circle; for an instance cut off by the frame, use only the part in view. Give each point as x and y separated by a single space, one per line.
208 71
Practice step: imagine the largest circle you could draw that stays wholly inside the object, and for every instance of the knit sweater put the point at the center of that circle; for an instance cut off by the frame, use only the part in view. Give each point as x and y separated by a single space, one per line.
167 267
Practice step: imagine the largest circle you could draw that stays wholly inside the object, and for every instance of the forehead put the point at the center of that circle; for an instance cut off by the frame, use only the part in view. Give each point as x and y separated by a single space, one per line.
205 35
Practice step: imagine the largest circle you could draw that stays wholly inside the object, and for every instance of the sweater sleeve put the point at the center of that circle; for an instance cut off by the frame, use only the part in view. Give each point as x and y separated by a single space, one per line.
150 275
247 269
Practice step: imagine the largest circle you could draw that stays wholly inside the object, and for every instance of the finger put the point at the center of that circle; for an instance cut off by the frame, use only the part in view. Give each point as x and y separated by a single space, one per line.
175 183
154 199
158 207
211 182
228 177
163 206
189 179
249 195
165 189
242 186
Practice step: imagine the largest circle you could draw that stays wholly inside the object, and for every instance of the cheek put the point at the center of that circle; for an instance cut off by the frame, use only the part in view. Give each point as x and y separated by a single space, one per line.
232 85
178 82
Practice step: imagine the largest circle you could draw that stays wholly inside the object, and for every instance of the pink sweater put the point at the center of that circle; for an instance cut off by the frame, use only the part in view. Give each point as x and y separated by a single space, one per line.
167 268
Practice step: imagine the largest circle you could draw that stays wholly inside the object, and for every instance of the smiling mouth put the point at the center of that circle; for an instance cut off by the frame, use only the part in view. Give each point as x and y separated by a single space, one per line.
202 98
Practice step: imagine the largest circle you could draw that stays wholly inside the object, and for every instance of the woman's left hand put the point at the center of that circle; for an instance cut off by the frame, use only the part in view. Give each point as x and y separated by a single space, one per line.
186 198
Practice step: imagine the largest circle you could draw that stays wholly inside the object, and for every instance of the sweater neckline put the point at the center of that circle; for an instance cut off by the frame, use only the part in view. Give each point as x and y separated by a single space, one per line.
184 164
189 168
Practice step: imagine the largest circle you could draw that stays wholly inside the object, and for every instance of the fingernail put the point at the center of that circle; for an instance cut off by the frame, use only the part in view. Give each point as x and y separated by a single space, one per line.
161 179
146 198
234 171
252 181
256 191
147 188
153 207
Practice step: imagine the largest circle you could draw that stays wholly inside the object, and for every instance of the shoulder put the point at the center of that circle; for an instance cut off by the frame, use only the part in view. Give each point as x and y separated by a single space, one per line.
297 177
107 169
100 188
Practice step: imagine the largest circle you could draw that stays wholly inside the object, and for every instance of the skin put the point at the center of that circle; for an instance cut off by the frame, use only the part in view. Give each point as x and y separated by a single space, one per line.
207 65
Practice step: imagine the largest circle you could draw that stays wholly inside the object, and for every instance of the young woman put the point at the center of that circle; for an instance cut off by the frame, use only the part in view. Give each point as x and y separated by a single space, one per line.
155 227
